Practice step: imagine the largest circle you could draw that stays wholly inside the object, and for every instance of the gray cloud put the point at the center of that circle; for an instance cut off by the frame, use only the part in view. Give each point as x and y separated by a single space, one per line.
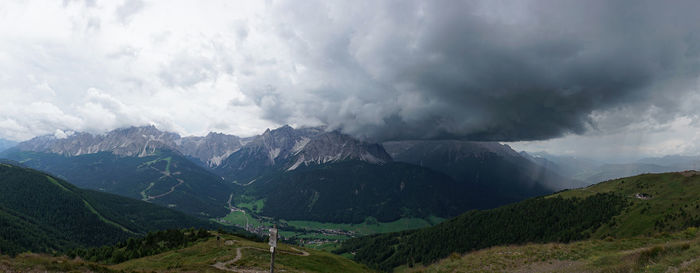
128 9
186 69
482 70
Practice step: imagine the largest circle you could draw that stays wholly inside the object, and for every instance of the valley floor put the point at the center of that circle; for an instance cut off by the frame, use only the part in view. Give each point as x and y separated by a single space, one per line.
678 252
320 235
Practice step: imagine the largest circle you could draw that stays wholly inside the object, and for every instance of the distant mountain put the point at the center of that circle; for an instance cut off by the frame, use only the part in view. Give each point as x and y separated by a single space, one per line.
286 148
334 147
568 166
264 153
311 174
676 162
327 176
6 144
138 141
211 149
42 213
499 173
186 173
303 173
590 171
614 171
132 141
137 162
352 191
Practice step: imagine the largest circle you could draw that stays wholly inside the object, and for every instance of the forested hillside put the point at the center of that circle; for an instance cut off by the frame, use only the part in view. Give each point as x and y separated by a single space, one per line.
351 191
166 178
534 220
642 205
151 244
41 213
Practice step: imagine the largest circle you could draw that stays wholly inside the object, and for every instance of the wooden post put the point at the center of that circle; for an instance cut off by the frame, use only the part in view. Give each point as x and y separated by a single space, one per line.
273 245
272 260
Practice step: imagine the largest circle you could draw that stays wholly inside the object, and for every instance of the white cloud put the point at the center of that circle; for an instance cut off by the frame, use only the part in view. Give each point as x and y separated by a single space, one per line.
128 9
97 66
60 134
633 141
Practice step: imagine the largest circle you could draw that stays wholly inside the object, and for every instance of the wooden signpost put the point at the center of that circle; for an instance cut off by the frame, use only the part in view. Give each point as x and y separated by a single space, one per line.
273 245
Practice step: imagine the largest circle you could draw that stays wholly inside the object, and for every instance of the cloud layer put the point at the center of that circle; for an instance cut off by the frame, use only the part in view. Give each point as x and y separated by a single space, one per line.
380 70
485 70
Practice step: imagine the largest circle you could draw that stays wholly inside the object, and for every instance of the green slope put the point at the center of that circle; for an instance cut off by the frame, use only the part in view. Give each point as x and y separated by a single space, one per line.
658 203
230 253
643 205
167 178
678 252
30 262
42 213
255 257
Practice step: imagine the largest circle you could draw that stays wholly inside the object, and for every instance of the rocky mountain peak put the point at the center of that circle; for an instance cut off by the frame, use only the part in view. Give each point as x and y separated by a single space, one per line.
210 149
314 145
280 143
288 148
131 141
334 146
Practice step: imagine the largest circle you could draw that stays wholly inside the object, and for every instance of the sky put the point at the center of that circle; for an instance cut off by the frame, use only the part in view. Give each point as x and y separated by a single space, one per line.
605 79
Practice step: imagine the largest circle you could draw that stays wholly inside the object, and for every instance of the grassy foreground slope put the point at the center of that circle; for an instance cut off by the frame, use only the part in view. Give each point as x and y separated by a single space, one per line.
644 205
679 252
229 254
31 262
233 253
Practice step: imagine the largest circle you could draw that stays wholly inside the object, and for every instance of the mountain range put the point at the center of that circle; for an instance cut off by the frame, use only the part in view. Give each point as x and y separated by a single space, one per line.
297 173
590 171
498 173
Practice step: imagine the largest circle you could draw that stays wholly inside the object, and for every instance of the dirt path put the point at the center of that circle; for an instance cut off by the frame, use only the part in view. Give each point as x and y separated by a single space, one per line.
552 266
303 253
239 255
172 189
681 267
246 184
225 265
166 173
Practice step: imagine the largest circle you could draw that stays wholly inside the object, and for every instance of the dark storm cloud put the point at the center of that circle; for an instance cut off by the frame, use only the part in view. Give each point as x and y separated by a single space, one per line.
486 70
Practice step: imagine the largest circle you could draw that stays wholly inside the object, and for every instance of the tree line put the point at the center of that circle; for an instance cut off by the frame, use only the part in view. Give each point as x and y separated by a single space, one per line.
151 244
537 220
